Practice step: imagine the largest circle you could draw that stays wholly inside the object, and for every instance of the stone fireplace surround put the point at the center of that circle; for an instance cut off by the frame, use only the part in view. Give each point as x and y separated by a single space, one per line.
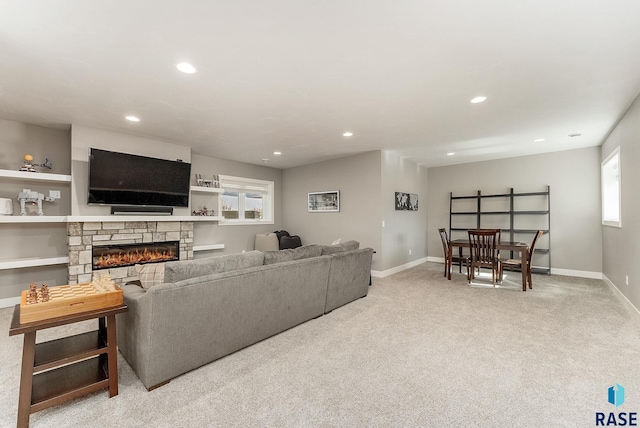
82 236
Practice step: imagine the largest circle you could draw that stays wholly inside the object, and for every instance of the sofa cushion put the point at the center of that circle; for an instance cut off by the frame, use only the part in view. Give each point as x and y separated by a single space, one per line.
304 252
185 269
345 246
150 274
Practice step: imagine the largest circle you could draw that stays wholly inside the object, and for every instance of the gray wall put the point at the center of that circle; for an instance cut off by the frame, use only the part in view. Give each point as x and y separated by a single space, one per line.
83 138
403 230
620 245
235 237
33 240
574 177
358 178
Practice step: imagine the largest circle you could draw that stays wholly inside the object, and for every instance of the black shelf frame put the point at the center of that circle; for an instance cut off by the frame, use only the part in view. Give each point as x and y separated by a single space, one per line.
512 213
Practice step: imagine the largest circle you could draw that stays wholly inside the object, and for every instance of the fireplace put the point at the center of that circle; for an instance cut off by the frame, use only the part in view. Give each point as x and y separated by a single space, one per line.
120 255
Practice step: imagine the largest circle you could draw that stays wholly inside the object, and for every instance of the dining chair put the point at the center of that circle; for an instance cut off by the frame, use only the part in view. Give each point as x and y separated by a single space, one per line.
459 259
517 263
482 243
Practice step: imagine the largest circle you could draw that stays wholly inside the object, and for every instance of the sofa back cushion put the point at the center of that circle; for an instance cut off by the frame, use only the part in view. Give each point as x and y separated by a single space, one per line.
185 269
345 246
304 252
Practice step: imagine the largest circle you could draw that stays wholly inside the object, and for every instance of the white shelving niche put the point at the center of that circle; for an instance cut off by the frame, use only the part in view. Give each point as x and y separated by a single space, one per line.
24 221
208 196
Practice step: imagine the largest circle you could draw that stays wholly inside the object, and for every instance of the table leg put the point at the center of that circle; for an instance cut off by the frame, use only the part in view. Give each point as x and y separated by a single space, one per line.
112 355
26 379
448 261
525 255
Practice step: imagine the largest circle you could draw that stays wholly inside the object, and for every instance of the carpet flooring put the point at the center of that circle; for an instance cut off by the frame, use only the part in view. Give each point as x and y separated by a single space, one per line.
418 351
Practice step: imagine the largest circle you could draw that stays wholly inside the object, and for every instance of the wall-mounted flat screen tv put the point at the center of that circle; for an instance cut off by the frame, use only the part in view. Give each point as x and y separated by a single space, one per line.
126 179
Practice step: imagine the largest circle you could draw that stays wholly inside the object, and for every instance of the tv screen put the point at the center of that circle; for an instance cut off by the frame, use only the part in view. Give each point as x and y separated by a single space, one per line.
125 179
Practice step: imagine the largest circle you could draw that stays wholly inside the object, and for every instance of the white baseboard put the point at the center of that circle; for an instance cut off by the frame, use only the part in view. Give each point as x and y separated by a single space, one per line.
577 273
554 271
386 273
626 302
10 302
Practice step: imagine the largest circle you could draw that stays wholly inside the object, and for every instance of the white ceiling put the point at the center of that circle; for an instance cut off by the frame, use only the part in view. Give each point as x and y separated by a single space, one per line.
293 75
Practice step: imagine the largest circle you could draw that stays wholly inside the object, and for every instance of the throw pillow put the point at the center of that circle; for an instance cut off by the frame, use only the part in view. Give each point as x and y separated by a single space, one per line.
150 274
336 242
345 246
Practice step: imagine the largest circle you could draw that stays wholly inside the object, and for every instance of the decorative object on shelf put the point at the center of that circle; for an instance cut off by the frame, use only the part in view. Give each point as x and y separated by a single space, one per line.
6 206
204 211
324 202
205 182
29 166
32 197
406 201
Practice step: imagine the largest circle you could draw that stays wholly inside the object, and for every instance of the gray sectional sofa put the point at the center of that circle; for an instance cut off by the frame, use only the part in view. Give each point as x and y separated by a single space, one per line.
208 308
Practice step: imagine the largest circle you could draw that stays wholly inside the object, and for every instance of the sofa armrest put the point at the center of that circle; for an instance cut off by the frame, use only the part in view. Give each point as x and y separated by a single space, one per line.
132 326
349 276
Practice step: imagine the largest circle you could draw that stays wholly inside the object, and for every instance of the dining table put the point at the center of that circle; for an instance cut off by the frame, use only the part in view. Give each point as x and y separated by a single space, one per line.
521 247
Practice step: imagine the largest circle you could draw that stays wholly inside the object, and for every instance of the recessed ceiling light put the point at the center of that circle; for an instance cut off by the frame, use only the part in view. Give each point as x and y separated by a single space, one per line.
538 140
132 118
185 67
347 134
277 153
451 153
265 160
477 100
575 135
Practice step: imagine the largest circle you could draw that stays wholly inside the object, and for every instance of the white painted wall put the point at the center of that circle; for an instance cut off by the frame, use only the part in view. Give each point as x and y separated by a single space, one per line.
574 177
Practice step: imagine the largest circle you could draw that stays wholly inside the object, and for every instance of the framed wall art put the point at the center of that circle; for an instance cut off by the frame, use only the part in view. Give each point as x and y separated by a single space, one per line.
324 202
406 201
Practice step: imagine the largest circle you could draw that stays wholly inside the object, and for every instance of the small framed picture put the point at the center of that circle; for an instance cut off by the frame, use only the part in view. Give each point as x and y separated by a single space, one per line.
324 202
406 201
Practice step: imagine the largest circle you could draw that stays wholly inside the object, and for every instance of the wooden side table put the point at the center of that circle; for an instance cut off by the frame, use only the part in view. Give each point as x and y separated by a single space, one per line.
60 370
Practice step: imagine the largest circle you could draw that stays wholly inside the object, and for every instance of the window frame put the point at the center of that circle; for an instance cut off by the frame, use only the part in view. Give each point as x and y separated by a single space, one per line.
604 173
242 186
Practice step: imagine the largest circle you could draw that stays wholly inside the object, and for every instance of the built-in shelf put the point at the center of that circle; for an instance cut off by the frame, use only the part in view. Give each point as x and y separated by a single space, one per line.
33 219
33 262
464 222
105 219
35 176
208 247
202 189
119 218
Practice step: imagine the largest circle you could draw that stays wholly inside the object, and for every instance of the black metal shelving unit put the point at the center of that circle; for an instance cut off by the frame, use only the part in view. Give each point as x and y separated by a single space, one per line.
507 226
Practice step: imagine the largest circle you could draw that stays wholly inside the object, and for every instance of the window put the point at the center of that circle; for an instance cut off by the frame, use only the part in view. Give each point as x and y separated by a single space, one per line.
611 201
246 200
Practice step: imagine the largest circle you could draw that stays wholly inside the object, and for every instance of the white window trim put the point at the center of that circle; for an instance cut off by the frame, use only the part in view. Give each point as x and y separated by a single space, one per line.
248 185
613 154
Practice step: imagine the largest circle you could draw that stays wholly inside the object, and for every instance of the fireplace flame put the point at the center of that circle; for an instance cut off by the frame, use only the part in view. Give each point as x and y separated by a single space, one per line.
133 257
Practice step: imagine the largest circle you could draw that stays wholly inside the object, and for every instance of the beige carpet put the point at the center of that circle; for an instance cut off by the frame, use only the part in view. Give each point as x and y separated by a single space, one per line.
418 351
